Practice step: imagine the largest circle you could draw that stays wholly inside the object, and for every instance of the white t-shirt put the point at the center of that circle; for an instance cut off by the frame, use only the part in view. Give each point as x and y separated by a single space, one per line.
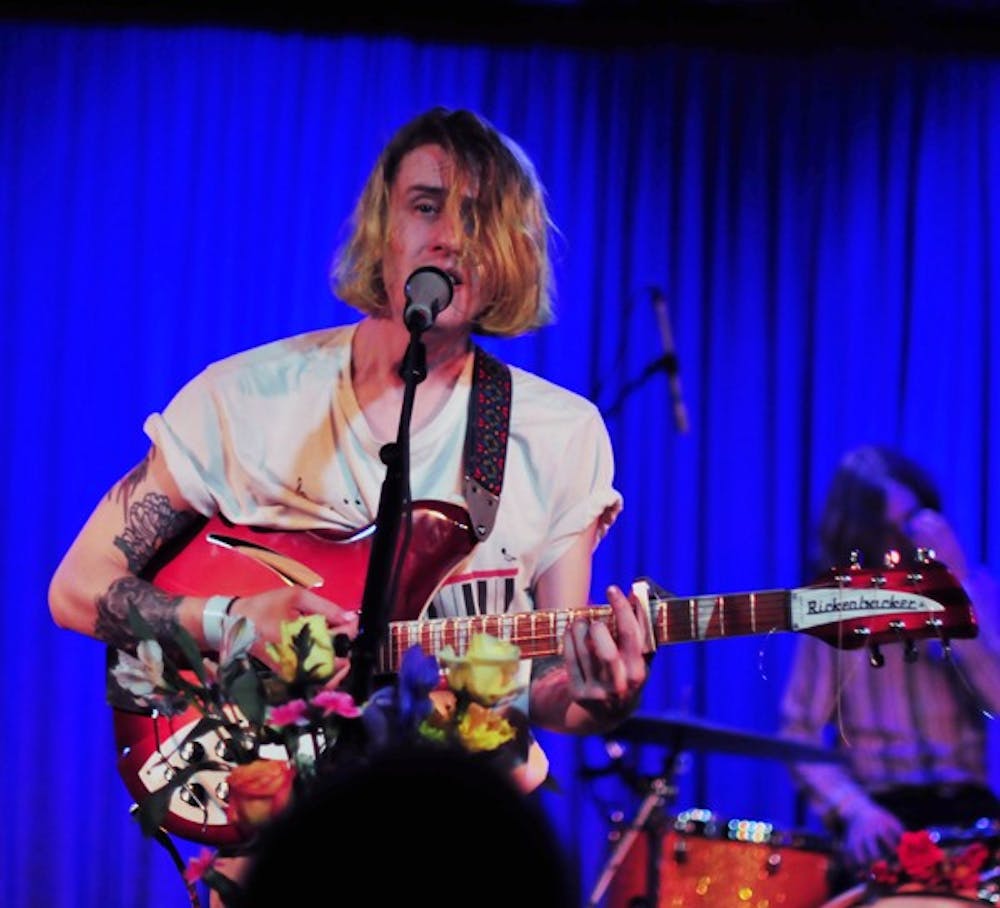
273 437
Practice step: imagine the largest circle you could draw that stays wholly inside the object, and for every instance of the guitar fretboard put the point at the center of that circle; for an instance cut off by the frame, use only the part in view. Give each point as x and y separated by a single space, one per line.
540 633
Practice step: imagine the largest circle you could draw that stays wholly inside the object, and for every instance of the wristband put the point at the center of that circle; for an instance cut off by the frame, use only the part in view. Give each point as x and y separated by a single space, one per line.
213 619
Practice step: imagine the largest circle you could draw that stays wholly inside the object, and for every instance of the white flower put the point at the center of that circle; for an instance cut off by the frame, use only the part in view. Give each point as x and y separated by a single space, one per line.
142 674
238 635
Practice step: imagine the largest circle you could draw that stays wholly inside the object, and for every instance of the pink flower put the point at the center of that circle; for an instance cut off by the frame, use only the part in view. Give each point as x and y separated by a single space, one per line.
339 702
198 866
291 713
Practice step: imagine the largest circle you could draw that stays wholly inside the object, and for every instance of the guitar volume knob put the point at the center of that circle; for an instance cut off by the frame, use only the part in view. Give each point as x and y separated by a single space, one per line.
192 751
194 793
225 749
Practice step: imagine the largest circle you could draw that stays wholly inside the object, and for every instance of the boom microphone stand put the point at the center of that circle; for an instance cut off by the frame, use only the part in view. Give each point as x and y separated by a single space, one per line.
649 819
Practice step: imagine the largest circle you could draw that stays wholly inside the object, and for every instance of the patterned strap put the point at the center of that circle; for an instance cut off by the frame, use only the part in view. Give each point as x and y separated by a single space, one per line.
486 440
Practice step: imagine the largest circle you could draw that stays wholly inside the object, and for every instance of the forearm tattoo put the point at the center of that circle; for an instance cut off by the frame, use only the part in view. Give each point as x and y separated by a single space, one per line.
158 608
149 523
544 665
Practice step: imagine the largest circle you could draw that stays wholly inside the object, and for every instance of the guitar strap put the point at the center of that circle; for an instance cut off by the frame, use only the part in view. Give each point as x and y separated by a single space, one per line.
486 440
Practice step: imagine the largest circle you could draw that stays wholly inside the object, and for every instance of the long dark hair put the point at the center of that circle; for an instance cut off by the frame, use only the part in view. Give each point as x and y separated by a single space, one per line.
854 514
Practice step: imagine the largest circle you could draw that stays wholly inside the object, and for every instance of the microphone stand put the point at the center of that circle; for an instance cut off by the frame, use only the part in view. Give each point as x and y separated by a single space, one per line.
380 585
648 821
667 363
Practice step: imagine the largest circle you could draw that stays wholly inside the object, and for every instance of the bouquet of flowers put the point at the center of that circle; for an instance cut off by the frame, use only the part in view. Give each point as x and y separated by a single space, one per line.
282 729
922 865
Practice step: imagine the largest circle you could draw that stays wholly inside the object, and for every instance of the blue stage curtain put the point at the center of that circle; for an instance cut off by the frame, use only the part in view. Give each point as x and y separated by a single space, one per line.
822 225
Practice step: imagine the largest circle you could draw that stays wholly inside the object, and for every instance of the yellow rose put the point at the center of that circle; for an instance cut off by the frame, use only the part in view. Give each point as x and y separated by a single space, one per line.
319 659
487 671
483 729
258 791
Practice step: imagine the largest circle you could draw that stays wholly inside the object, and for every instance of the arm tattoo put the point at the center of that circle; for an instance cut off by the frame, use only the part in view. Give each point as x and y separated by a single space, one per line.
123 491
150 523
157 607
544 665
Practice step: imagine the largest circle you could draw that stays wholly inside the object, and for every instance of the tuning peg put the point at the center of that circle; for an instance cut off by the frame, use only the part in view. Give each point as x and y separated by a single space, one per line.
891 558
855 560
925 556
910 651
875 656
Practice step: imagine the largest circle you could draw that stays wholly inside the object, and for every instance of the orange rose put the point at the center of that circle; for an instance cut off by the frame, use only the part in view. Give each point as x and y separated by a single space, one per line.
258 791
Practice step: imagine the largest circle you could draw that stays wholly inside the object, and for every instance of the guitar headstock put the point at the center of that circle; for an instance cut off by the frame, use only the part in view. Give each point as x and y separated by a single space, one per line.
853 607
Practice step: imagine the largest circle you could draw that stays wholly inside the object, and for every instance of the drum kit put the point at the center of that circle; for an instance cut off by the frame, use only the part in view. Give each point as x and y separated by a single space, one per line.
664 859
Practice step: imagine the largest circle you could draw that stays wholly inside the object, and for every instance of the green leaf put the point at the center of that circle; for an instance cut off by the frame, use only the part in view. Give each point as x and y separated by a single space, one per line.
246 692
140 627
302 644
192 655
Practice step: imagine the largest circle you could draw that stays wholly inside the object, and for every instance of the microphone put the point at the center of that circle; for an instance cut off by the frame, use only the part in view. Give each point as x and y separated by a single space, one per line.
670 359
428 290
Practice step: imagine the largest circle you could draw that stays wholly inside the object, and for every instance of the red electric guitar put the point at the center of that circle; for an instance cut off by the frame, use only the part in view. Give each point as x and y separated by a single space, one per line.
852 608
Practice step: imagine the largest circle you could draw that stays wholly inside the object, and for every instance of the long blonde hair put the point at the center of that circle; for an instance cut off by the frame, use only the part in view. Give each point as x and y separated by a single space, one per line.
507 234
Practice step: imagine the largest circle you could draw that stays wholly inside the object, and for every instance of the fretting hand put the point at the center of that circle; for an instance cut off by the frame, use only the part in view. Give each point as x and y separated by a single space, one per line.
607 670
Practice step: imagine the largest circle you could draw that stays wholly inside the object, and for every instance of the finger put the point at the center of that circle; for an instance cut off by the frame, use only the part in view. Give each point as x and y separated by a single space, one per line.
610 668
338 617
590 656
578 660
634 633
644 616
629 631
341 668
346 623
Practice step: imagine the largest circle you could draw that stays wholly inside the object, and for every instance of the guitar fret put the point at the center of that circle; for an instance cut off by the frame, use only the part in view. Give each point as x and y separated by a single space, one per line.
753 613
721 601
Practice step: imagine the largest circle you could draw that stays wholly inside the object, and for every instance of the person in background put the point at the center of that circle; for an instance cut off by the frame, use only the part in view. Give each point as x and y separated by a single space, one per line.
289 436
913 733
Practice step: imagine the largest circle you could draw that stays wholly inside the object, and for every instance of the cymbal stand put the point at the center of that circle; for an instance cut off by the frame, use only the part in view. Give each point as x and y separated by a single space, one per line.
649 818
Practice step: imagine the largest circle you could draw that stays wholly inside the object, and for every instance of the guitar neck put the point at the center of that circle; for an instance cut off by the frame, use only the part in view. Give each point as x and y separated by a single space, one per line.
540 633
